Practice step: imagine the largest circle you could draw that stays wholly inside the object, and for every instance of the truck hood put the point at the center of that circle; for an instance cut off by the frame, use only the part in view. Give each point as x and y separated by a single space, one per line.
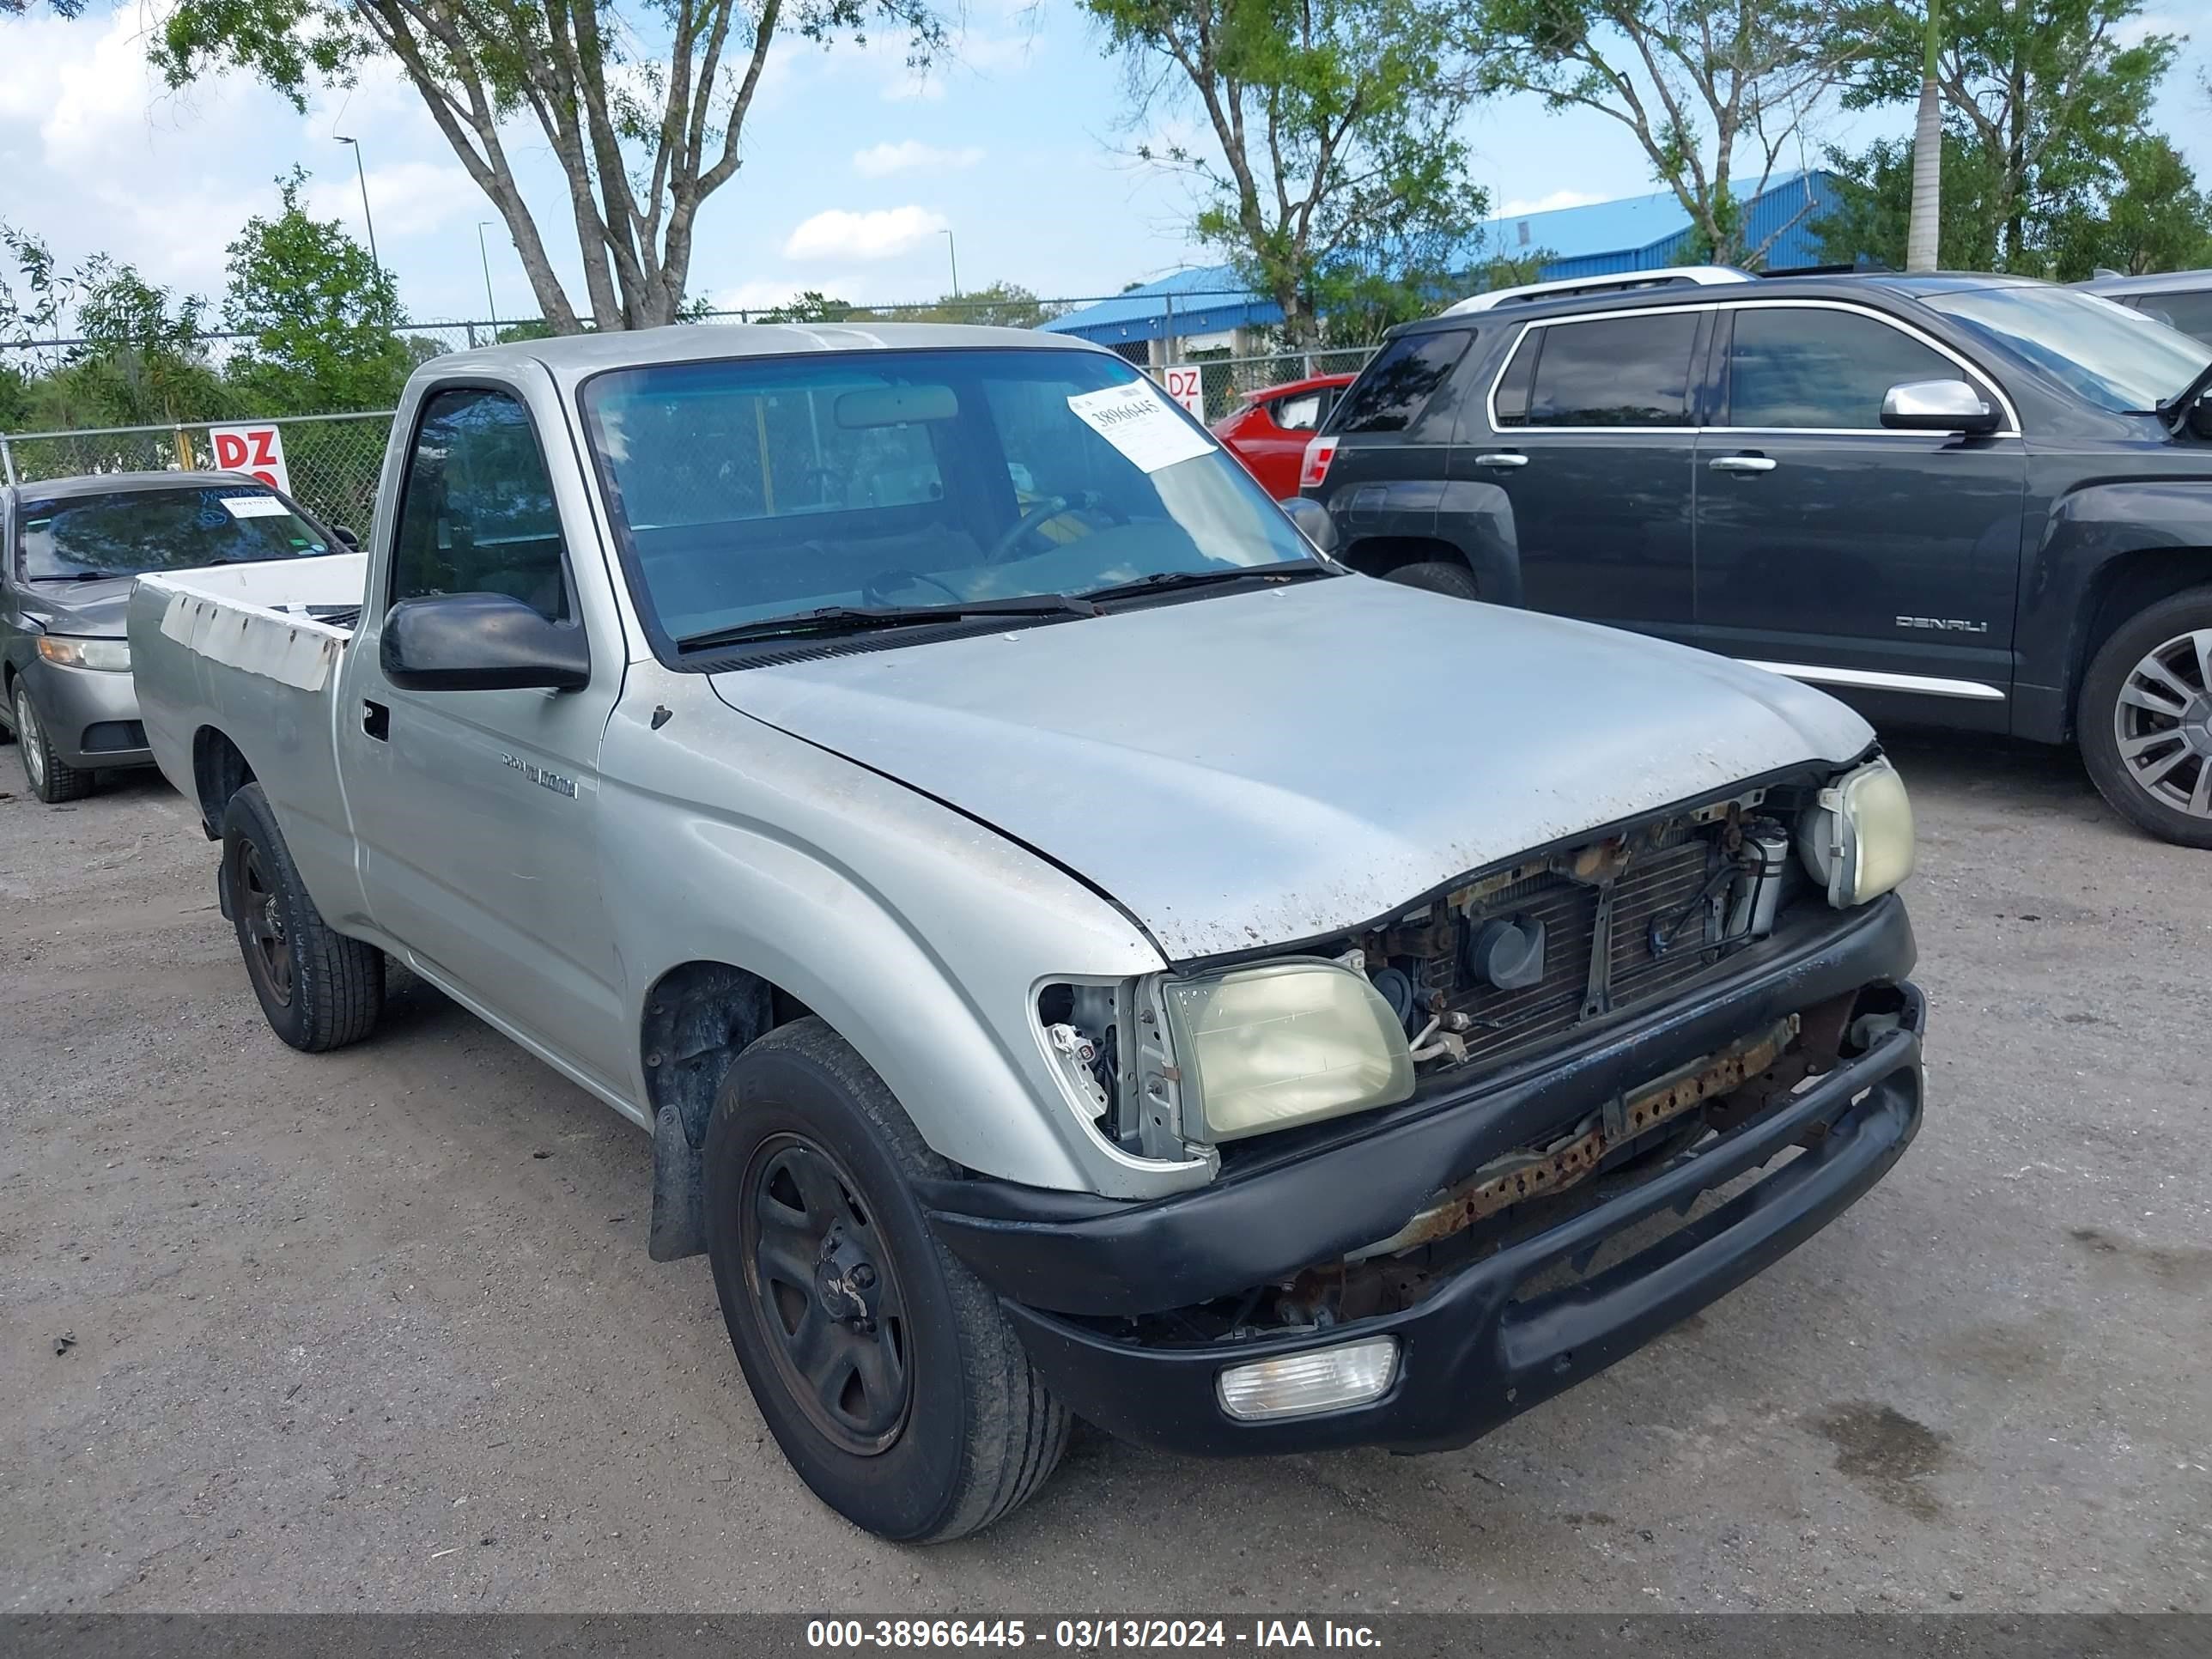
1255 768
98 610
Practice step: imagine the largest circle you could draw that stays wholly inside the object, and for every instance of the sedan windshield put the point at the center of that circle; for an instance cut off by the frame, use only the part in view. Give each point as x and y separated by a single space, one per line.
2117 358
751 489
129 532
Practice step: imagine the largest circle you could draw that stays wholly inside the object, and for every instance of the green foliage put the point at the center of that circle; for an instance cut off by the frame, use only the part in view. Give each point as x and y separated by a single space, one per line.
810 306
321 314
1875 193
1714 91
1335 176
2047 117
995 305
60 8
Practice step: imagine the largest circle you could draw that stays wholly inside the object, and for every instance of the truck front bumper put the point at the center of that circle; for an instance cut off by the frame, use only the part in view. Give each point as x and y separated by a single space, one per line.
1486 1342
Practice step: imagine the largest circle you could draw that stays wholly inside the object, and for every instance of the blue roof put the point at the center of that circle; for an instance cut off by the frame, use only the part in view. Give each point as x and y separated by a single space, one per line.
1208 300
1639 233
1642 233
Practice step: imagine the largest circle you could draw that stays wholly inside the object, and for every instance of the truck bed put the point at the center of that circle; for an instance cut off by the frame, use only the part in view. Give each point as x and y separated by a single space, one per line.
248 655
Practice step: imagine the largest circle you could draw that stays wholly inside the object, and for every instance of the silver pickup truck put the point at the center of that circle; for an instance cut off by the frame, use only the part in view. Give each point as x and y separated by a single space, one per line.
1077 950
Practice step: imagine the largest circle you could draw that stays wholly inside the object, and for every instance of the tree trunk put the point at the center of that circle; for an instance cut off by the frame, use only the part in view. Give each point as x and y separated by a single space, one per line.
1921 237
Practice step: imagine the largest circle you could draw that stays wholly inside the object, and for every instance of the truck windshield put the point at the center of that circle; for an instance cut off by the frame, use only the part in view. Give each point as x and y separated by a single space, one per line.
750 488
129 532
2117 358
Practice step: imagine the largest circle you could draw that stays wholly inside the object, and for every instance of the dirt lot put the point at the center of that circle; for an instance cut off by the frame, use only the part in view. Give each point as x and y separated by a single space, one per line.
378 1329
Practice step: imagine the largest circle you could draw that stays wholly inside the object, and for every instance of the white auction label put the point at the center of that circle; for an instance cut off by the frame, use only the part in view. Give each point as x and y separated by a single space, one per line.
255 507
1143 425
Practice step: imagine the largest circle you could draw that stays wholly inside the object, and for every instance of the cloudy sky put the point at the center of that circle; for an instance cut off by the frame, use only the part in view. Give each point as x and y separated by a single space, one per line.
854 167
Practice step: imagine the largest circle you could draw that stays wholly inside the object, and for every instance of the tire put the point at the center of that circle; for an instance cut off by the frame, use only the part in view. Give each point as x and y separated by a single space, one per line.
319 989
1438 577
2124 704
51 779
900 1394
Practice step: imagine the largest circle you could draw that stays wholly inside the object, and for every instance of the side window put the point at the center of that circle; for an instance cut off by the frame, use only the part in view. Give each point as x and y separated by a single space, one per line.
1512 399
476 515
1791 367
2190 313
1614 371
1299 413
1392 391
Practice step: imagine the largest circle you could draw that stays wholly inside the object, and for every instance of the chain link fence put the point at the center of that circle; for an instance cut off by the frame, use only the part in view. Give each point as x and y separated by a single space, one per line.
333 460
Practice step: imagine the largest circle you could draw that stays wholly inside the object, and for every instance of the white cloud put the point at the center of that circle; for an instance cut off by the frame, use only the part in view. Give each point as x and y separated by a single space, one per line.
1558 199
911 155
883 234
407 198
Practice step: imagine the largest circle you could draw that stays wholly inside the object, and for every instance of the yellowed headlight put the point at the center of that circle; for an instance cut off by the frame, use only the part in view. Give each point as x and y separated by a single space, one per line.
1857 840
111 656
1283 1043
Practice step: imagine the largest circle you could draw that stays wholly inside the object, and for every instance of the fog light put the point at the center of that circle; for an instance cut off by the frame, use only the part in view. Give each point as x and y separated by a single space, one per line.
1320 1380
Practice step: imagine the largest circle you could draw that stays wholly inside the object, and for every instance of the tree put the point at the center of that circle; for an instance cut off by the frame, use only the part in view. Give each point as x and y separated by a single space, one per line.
1920 237
323 317
810 306
2048 93
1334 165
2157 220
643 103
1875 189
995 305
61 7
1700 83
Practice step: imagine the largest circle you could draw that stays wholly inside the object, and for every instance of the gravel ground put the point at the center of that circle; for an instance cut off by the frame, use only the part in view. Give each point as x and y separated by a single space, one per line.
377 1330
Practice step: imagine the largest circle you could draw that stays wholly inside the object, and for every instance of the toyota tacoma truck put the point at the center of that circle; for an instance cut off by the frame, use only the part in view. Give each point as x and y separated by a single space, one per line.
1077 951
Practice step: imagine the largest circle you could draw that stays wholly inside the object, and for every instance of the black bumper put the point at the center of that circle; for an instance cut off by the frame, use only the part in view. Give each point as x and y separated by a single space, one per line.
1470 1356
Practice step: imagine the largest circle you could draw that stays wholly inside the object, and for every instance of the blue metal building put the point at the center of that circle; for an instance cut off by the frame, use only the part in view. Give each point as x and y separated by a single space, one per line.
1639 233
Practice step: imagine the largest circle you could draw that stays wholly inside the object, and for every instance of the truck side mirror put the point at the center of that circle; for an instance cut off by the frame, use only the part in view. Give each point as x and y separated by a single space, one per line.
1936 406
1313 522
480 642
345 536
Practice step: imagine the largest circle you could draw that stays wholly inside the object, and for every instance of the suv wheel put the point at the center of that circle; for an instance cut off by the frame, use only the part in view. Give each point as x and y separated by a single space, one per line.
1438 577
2145 718
884 1367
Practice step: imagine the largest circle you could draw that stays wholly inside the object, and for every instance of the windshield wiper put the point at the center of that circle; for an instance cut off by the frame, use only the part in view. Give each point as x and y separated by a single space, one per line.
1166 582
87 576
856 618
2175 410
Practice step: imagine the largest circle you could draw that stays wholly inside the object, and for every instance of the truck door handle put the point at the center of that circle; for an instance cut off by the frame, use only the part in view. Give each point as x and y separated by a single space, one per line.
376 720
1502 457
1744 464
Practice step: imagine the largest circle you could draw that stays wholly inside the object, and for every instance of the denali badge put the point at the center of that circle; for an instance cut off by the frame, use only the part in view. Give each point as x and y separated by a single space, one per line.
1945 624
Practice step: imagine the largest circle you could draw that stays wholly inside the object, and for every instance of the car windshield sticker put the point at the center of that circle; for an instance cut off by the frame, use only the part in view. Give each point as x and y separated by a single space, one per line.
255 507
1139 422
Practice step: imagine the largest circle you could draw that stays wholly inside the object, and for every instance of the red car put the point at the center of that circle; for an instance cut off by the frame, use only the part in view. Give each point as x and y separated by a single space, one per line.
1268 430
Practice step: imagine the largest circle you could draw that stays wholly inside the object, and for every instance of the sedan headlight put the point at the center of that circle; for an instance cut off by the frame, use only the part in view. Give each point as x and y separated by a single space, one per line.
1283 1043
112 655
1856 839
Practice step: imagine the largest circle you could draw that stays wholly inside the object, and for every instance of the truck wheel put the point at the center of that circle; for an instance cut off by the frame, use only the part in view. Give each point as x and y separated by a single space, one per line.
2145 718
51 780
1438 577
885 1370
319 989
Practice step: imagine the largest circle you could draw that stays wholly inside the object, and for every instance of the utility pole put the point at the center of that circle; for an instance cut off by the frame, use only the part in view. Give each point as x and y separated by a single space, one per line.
362 172
952 252
1921 230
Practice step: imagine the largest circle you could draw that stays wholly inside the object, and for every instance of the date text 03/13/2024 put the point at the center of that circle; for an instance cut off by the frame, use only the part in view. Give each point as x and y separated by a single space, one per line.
1093 1634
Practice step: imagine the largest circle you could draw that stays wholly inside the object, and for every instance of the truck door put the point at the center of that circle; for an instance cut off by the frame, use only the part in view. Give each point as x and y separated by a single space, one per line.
475 812
1882 565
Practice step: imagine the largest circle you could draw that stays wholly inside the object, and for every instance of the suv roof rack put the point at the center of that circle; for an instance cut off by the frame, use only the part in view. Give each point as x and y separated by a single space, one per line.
1569 287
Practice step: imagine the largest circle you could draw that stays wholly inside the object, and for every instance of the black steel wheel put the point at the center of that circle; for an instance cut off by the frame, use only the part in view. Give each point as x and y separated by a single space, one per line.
888 1374
827 1289
318 988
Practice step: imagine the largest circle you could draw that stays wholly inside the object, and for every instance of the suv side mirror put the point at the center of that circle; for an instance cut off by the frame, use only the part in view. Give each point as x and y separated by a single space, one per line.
1313 522
1936 406
480 642
346 538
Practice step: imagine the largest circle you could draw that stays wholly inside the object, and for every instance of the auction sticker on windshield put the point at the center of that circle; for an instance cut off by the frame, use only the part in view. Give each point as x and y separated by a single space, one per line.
1137 421
255 507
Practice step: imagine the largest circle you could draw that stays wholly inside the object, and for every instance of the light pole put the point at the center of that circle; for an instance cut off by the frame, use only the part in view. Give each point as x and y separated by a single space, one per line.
490 304
952 252
362 172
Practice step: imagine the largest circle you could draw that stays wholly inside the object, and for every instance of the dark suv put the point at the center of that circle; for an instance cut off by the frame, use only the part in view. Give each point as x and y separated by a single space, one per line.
1964 500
